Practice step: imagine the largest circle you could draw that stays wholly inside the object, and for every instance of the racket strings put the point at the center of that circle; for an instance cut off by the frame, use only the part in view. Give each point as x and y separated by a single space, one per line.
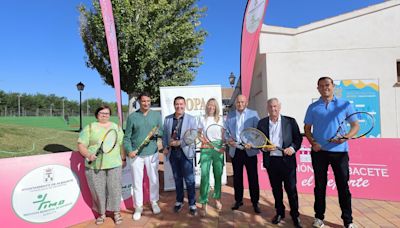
365 120
110 141
214 132
253 137
343 129
190 136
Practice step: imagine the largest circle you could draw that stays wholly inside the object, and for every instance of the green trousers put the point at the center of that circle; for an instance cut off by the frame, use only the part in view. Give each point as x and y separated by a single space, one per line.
207 157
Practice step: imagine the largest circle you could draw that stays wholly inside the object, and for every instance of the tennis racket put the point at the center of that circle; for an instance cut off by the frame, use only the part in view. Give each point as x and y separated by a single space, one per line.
226 134
215 133
256 139
191 136
365 120
151 135
108 143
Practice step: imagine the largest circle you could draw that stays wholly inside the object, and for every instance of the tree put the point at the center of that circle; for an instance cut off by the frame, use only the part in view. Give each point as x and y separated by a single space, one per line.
158 43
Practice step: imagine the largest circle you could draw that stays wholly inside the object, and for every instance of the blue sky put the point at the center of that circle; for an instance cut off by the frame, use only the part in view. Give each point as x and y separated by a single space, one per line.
42 52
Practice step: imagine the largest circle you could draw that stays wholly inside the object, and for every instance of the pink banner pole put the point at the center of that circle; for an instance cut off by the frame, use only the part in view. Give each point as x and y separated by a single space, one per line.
108 19
252 23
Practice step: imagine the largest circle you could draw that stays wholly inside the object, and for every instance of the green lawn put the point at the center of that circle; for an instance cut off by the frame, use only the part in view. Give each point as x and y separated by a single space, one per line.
52 122
19 140
22 136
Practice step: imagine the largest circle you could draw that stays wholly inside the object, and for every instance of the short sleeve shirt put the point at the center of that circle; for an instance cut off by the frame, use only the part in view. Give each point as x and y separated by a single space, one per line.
91 136
325 119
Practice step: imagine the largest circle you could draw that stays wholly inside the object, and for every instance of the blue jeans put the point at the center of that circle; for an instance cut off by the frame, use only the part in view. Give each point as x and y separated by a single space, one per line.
182 168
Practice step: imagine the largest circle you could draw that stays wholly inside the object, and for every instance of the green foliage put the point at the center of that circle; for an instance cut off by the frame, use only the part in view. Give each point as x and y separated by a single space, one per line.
158 42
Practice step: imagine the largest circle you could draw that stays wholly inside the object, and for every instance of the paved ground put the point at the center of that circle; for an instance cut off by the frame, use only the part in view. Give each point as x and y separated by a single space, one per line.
366 213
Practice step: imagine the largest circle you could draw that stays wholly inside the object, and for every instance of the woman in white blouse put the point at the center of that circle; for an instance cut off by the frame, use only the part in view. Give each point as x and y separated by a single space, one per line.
211 153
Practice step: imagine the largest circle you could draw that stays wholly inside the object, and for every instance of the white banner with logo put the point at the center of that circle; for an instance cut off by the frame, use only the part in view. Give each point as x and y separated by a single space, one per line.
45 194
196 98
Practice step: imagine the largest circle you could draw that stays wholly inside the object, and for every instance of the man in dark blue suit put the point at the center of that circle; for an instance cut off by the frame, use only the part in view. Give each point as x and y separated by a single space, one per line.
236 122
283 132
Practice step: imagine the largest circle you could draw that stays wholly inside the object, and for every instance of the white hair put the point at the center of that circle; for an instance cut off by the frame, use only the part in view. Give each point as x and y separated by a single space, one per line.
269 101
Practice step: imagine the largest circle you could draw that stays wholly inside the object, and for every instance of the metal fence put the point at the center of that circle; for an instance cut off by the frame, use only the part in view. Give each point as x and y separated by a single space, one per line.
7 112
4 111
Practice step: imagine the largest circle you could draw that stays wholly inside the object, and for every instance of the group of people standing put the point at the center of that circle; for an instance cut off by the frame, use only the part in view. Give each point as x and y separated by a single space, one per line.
321 122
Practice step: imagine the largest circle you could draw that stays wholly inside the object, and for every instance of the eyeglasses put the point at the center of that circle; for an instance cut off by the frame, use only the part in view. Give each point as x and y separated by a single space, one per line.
104 113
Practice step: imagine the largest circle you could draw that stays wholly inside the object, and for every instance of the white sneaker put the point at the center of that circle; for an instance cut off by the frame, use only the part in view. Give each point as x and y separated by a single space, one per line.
318 223
138 213
156 209
351 225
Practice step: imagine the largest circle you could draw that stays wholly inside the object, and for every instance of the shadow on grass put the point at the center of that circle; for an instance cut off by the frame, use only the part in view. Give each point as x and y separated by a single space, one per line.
56 148
73 130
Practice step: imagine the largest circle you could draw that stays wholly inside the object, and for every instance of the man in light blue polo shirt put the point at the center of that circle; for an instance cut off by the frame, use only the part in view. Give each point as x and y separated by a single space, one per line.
324 117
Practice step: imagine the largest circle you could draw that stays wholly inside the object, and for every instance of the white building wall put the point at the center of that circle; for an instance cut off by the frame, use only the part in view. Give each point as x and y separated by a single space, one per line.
258 91
363 44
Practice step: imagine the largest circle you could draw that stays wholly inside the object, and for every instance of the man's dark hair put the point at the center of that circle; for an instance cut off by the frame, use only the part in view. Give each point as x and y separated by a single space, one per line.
144 94
101 108
325 78
179 98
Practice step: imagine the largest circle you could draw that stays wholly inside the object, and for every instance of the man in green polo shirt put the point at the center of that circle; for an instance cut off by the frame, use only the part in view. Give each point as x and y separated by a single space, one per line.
142 152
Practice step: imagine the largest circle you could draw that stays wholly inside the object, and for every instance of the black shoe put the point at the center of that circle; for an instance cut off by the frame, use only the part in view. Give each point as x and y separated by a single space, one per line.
256 209
297 222
178 208
237 205
277 219
193 211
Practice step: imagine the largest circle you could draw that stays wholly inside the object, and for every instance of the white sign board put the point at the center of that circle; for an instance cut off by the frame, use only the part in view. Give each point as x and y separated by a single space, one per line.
196 98
45 194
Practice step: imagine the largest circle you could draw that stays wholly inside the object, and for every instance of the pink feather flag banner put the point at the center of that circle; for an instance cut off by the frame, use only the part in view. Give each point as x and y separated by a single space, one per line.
108 20
252 23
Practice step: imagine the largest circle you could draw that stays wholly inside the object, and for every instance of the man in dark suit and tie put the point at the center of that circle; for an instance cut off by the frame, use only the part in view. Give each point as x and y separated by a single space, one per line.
283 132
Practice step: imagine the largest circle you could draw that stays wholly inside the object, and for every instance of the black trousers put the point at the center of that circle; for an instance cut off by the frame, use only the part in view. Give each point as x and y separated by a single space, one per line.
339 162
280 171
240 160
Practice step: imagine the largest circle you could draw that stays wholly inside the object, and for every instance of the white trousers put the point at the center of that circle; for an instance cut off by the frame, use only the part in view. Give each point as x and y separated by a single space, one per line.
137 164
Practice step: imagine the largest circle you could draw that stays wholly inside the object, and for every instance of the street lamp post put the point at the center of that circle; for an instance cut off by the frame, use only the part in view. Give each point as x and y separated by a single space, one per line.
51 109
80 86
63 107
19 105
232 79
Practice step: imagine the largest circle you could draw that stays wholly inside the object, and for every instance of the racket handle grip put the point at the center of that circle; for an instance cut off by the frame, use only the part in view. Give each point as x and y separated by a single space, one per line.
97 154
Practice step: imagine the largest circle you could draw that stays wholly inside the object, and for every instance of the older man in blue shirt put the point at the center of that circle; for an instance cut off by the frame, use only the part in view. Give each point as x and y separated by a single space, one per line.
324 117
236 121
